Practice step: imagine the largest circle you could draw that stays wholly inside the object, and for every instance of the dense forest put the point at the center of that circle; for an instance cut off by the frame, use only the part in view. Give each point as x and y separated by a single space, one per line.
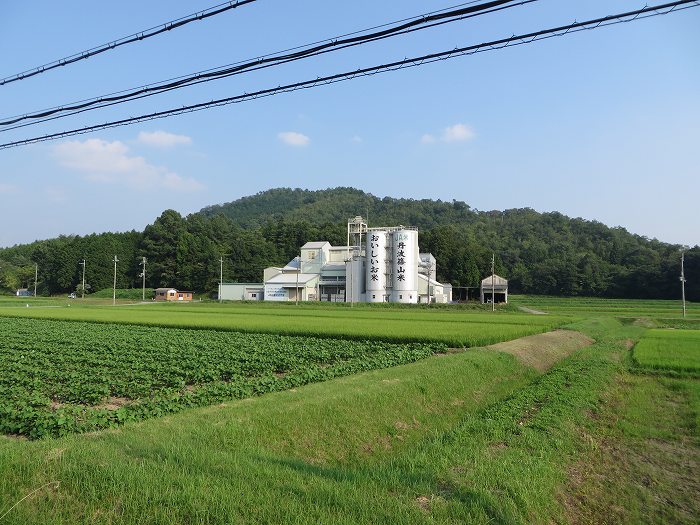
540 253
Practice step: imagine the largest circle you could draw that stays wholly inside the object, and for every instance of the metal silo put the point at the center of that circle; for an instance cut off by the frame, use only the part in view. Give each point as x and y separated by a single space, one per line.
405 266
376 266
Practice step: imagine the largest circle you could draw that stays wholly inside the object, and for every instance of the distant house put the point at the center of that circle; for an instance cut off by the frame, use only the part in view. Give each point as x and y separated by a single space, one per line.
171 294
23 292
494 287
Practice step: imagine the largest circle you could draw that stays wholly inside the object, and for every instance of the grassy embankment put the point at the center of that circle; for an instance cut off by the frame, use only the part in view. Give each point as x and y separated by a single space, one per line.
644 453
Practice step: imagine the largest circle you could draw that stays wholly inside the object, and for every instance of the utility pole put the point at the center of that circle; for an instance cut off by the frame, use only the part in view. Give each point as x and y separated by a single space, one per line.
683 280
36 276
430 271
114 287
221 275
350 282
296 290
82 295
493 283
143 275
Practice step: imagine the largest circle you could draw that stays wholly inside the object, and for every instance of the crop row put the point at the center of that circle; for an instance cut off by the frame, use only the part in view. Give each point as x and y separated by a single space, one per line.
58 377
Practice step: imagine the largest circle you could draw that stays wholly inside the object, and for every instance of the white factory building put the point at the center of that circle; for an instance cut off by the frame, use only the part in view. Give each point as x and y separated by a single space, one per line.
377 265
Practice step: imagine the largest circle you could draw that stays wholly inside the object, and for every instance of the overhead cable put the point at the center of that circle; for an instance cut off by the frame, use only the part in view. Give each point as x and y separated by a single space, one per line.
503 43
418 23
136 37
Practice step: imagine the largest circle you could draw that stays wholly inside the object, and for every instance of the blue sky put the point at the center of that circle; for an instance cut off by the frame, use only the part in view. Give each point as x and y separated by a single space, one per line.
603 124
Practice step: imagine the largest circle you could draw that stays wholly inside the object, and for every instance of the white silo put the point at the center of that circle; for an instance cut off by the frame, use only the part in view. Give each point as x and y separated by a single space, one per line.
405 267
376 266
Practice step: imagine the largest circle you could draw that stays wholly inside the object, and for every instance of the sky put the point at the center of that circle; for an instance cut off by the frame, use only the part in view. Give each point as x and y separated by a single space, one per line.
603 125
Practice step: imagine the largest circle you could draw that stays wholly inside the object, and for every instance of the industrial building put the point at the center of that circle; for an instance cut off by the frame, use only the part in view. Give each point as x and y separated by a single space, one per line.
377 265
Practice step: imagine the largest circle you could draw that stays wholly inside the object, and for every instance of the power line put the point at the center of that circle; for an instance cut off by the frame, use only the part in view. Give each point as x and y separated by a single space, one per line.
270 54
514 40
136 37
418 23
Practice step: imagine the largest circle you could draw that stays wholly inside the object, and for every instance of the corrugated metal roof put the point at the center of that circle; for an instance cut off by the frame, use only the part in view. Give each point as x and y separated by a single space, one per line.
497 281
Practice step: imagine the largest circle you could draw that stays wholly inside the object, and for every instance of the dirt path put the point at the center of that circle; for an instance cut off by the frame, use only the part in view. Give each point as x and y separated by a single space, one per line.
543 350
531 311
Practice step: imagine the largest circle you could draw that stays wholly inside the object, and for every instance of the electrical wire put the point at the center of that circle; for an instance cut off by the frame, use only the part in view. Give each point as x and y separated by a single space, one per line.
503 43
418 23
273 54
136 37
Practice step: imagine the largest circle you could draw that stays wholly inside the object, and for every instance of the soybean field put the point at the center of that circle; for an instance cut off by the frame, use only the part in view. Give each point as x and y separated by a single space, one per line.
58 377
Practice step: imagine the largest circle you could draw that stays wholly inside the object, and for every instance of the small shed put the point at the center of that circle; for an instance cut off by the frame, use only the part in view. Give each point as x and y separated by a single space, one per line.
171 294
494 287
24 292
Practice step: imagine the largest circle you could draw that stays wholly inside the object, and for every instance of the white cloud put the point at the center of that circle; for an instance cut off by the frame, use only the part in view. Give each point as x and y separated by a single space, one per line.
163 139
110 162
456 133
293 138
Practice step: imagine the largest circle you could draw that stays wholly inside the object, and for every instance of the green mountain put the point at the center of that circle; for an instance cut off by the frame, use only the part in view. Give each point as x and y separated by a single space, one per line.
336 206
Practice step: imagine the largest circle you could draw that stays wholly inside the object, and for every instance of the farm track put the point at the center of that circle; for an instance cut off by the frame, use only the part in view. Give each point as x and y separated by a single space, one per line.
542 351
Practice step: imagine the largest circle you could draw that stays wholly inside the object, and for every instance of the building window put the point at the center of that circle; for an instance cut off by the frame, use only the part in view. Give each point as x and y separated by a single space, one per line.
400 296
180 295
374 296
253 295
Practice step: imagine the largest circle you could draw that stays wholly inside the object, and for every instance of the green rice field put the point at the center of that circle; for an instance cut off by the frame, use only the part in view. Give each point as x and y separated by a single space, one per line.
633 308
455 327
669 349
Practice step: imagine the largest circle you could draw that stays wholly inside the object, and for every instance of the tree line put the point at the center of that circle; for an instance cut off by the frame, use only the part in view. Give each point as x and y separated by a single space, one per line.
540 253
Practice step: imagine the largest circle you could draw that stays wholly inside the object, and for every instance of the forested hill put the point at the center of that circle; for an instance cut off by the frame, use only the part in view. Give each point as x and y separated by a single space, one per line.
335 206
540 253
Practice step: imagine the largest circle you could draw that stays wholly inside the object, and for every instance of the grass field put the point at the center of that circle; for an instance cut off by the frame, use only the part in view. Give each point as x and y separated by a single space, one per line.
677 350
476 436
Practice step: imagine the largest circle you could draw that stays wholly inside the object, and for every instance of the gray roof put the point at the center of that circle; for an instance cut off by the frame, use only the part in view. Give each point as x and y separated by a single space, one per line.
294 264
314 245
